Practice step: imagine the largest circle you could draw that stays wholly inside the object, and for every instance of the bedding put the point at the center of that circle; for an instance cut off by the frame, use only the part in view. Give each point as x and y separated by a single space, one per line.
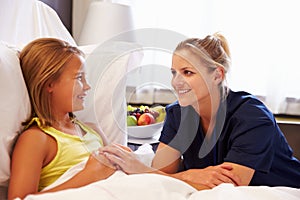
15 105
154 186
106 67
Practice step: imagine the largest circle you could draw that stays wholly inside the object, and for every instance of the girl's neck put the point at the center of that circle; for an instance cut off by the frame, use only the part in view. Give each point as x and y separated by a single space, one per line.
65 124
63 120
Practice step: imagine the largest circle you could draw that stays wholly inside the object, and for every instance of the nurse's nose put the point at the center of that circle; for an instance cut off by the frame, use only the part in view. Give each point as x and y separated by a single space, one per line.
178 80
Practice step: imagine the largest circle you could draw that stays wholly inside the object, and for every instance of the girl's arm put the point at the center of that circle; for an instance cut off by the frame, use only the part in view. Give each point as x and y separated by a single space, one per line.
34 150
97 168
30 154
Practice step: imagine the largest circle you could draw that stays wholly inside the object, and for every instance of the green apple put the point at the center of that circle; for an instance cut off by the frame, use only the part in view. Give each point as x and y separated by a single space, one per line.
131 120
162 113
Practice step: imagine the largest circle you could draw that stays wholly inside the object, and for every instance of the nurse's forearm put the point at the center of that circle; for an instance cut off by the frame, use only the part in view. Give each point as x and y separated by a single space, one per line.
245 173
180 177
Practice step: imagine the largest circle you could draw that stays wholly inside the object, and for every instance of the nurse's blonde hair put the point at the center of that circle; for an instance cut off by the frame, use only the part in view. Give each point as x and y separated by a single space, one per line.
213 52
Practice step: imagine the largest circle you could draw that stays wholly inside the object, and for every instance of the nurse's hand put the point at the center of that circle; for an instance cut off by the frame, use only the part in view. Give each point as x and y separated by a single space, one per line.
211 176
124 159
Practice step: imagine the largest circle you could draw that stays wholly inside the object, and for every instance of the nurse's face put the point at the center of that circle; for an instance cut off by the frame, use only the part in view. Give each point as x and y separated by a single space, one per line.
191 80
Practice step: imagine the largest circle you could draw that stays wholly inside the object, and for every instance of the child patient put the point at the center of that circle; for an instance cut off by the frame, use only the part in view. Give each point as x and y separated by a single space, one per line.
53 139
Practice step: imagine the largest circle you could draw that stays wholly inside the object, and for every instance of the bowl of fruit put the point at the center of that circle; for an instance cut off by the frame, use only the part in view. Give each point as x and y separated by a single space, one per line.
144 121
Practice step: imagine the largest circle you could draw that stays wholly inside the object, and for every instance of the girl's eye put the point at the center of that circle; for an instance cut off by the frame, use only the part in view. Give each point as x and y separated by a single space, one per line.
79 77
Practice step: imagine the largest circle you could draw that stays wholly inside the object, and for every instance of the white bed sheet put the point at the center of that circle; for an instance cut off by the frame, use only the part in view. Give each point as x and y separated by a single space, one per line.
153 186
159 187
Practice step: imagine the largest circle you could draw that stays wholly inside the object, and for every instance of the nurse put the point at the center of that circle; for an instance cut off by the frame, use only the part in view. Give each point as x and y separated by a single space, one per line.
214 135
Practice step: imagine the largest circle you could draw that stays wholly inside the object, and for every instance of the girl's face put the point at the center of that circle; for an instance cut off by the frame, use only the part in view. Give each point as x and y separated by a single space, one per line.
69 91
191 80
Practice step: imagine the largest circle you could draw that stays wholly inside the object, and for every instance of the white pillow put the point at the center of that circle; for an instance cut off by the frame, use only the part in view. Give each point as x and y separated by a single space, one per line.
14 106
107 65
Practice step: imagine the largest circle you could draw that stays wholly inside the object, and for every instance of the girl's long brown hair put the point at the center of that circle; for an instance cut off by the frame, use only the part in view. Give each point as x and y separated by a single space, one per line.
42 62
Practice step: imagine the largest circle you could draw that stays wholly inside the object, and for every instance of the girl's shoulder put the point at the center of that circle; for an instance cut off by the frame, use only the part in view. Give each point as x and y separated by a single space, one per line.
33 136
33 141
32 131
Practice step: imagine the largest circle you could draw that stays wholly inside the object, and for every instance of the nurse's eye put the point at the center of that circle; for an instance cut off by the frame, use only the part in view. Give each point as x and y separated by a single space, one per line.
188 72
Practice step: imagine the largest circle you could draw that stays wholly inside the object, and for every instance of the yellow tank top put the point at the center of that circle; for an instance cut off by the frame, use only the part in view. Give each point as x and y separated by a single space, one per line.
71 150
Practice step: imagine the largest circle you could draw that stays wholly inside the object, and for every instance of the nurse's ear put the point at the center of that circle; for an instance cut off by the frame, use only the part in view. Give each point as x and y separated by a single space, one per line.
219 75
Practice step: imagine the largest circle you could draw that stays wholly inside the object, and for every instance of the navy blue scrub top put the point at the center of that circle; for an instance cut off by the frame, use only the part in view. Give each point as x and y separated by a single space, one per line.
245 133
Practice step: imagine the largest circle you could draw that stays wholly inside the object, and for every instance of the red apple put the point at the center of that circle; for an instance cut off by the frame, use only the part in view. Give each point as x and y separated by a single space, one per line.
146 119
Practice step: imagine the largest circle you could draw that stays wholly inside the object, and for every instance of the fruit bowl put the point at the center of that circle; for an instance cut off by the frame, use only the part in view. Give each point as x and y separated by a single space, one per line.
146 131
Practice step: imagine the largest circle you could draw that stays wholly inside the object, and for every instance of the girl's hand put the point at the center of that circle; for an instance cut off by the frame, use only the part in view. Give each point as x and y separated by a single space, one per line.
211 176
124 159
99 166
